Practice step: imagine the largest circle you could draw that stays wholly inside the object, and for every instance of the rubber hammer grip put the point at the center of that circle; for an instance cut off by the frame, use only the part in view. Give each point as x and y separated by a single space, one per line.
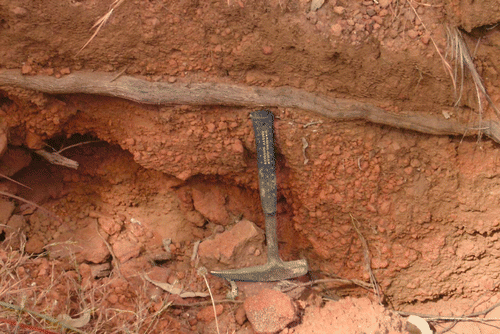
263 127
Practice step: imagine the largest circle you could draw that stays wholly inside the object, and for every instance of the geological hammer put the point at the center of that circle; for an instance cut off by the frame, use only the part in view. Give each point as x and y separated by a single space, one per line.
275 269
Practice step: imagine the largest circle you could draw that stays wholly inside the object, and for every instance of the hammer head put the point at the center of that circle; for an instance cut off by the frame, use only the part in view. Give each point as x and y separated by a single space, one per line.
272 271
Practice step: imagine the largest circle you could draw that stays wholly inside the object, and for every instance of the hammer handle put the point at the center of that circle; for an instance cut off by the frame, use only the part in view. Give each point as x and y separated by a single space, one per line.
263 127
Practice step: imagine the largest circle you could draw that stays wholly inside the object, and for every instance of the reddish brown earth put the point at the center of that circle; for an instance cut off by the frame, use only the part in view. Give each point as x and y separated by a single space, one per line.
427 205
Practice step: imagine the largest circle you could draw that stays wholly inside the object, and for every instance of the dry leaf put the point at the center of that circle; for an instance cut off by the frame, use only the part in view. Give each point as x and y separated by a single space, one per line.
420 323
77 322
176 291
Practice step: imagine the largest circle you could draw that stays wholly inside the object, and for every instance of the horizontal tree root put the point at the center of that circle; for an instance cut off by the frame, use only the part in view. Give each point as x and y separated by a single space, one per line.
163 93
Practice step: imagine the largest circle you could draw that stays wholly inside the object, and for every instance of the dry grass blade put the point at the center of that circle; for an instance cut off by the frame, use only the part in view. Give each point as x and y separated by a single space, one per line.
78 144
50 213
359 283
367 258
24 326
473 317
41 316
16 182
446 65
461 54
203 272
101 22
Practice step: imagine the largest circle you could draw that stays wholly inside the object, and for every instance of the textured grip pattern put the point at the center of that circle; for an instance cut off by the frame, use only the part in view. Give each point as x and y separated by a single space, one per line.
263 127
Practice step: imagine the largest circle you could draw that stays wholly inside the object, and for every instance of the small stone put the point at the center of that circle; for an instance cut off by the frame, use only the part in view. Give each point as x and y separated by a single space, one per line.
210 202
86 245
33 141
172 79
65 71
35 244
26 69
384 3
109 225
267 50
219 229
186 174
393 33
240 315
196 218
159 274
3 141
339 10
6 210
378 19
211 127
336 29
269 311
129 142
207 314
412 34
100 270
385 207
231 245
113 298
172 248
13 160
126 249
238 146
359 27
371 12
425 38
19 11
415 163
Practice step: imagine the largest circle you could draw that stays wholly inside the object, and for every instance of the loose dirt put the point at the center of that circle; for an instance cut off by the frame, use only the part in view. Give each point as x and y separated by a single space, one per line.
358 90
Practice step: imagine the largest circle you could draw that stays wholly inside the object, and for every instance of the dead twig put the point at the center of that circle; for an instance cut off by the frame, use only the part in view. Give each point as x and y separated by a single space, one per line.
367 257
56 159
202 271
208 94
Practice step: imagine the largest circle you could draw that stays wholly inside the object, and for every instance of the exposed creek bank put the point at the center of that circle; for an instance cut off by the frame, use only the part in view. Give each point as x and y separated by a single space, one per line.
426 205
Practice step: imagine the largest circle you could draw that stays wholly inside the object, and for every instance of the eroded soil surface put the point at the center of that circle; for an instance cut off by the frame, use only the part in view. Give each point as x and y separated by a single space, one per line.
162 190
